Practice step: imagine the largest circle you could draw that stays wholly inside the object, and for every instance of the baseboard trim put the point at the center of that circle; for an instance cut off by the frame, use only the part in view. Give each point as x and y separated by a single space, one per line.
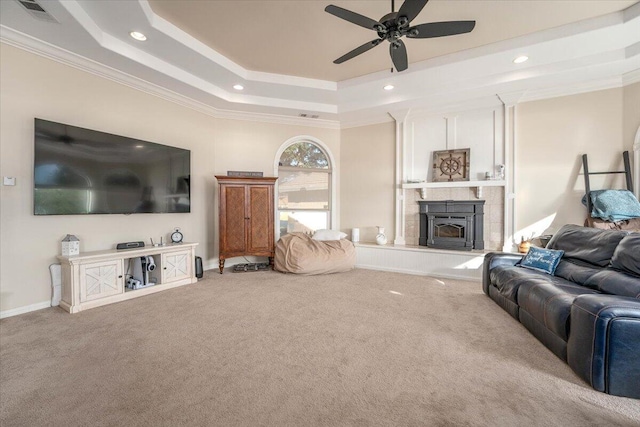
24 309
461 265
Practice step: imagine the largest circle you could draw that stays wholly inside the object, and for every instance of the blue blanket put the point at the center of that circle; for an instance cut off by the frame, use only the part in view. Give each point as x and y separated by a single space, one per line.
613 205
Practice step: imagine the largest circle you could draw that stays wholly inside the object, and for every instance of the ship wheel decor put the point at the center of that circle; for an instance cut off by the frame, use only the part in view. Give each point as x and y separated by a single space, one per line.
451 165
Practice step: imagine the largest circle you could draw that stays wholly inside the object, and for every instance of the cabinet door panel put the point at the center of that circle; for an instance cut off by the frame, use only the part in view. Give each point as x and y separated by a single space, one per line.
260 218
176 266
101 279
233 224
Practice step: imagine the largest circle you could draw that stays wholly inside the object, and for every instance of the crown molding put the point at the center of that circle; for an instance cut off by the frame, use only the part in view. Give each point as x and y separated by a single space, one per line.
276 119
556 92
41 48
631 77
370 121
160 24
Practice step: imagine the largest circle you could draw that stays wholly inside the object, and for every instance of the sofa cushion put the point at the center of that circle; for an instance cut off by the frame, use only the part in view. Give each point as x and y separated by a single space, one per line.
614 282
626 257
544 260
508 278
587 244
576 271
550 303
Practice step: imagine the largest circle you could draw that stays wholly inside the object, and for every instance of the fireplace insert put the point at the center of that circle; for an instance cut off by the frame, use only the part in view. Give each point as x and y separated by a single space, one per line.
452 224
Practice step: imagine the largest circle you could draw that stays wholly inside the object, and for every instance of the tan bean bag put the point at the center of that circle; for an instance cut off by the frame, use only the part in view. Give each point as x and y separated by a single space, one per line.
298 253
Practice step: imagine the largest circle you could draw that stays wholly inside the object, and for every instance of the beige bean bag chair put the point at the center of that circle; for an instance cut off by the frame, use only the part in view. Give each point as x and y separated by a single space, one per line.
300 254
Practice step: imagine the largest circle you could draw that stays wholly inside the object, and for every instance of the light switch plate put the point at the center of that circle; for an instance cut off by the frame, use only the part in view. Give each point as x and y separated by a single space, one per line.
9 180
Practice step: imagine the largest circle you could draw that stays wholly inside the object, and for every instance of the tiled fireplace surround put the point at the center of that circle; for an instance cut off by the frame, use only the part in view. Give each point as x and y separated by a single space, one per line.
493 212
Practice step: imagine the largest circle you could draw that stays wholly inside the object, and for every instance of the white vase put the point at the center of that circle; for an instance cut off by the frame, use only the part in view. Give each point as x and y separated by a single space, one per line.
381 239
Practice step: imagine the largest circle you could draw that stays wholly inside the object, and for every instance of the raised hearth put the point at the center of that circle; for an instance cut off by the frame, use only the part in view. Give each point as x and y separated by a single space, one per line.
452 224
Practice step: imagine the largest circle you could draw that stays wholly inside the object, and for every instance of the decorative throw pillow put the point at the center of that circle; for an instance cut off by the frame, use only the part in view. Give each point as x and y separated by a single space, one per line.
328 235
545 260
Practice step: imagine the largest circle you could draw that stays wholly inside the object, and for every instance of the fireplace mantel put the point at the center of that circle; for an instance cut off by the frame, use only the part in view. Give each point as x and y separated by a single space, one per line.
423 186
453 184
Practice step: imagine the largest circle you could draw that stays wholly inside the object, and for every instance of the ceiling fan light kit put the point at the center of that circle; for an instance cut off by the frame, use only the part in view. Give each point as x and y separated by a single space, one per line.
395 25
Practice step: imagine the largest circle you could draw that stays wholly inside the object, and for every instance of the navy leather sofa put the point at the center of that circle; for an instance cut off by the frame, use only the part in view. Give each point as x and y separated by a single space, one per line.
588 312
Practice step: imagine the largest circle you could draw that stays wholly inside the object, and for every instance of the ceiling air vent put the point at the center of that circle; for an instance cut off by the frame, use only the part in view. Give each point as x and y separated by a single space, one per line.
37 11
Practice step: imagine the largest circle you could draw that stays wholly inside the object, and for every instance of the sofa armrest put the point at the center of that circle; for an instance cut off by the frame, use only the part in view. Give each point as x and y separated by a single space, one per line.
493 259
604 343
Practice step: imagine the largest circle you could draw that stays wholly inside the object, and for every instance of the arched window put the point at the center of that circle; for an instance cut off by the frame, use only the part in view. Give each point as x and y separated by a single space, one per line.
304 188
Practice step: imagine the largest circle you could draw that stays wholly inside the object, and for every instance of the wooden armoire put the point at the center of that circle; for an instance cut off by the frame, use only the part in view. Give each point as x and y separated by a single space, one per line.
246 217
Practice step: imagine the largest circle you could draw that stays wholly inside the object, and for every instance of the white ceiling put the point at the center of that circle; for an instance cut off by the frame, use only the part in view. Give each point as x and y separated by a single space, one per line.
282 53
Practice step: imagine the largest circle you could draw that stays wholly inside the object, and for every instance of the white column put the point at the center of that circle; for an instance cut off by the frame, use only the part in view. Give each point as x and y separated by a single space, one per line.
401 149
510 101
636 164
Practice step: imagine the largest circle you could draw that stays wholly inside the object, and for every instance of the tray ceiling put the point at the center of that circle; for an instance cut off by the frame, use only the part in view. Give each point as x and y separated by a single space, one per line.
299 38
282 53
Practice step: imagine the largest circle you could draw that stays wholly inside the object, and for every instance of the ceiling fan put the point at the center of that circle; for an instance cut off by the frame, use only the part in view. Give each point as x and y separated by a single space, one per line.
395 25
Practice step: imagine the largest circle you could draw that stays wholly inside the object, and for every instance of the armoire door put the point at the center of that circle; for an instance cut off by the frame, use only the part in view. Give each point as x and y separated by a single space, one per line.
233 219
260 214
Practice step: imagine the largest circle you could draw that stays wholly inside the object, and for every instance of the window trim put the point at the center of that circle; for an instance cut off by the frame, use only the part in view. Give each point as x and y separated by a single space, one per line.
332 171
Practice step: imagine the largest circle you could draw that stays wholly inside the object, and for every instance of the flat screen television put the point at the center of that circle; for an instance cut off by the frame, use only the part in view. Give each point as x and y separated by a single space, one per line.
80 171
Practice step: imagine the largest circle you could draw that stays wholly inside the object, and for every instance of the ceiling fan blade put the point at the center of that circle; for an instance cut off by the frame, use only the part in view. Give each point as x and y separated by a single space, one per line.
357 51
398 53
440 29
352 17
411 8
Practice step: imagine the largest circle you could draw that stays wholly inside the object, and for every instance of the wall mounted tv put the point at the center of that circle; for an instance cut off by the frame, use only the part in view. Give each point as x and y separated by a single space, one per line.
80 171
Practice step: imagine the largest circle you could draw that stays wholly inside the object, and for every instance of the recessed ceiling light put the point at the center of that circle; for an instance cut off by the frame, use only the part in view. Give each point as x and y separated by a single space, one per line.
520 59
139 146
238 87
388 87
138 36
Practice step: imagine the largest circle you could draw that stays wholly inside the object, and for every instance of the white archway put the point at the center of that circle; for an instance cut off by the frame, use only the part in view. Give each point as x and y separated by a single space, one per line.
334 175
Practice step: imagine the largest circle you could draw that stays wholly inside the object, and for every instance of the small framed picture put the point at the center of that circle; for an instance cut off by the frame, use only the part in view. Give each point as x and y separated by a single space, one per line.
451 165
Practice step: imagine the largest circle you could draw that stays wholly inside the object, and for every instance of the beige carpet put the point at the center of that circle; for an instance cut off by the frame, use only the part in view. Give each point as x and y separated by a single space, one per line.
362 348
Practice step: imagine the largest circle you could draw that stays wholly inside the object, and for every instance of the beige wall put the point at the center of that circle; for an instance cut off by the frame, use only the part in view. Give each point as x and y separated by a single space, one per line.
551 136
33 86
631 125
631 120
367 180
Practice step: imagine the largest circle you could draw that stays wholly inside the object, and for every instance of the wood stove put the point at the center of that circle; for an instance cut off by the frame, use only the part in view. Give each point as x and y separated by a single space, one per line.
452 224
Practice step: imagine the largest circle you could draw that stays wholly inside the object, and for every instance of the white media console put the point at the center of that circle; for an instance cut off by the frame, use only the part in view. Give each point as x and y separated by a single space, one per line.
92 279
